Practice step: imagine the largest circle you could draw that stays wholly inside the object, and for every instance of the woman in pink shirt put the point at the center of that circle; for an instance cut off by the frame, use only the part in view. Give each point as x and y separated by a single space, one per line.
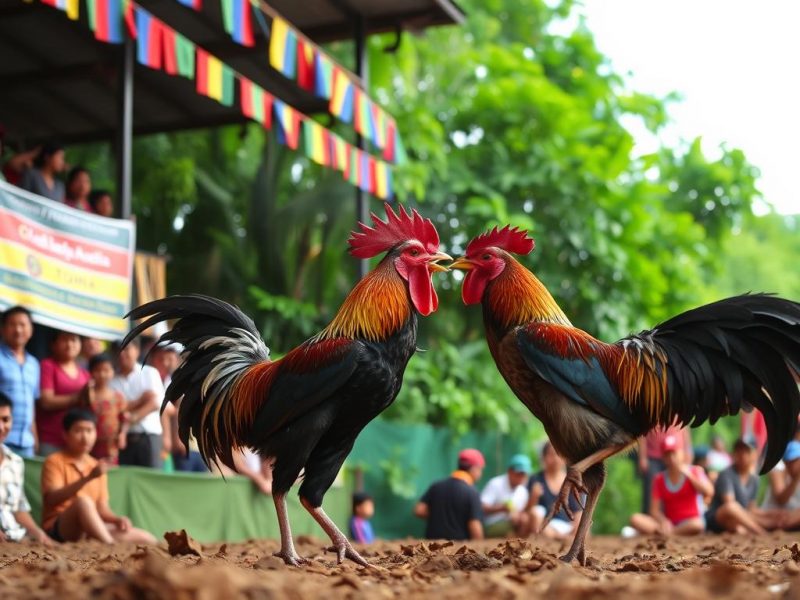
62 380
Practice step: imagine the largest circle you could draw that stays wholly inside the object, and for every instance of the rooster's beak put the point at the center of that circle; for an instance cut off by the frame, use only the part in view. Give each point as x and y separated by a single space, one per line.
433 265
462 263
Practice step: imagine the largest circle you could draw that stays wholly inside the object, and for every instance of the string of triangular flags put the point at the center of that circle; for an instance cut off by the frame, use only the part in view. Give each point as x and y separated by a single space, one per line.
297 58
160 47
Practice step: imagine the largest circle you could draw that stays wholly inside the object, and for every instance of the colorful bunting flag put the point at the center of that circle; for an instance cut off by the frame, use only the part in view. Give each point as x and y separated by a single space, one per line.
237 18
195 4
317 142
364 117
389 147
256 103
323 75
148 39
105 19
288 121
178 53
214 79
306 62
283 48
382 179
341 104
70 7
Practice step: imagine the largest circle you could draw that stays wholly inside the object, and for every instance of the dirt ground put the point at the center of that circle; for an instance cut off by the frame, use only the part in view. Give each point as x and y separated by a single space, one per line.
705 567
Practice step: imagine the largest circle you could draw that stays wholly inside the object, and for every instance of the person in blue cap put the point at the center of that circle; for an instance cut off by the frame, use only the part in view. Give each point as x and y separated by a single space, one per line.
504 500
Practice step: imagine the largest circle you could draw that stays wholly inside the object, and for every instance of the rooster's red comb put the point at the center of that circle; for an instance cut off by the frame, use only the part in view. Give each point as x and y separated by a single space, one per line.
508 238
396 229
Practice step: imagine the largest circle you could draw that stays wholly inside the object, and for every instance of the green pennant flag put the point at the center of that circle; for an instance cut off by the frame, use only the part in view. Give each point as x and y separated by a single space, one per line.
227 86
184 51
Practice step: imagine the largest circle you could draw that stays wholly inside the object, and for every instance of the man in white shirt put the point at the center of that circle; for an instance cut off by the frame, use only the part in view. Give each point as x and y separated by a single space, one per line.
504 500
144 392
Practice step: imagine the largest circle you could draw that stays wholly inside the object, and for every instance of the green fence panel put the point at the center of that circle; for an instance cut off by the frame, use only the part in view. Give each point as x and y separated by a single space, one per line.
209 508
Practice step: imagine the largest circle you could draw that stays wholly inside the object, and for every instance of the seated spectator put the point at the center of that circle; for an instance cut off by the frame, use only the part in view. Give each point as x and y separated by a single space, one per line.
783 492
19 378
143 391
718 457
77 189
504 500
62 381
676 506
544 488
15 513
363 510
110 408
43 179
650 461
75 490
101 203
733 507
452 506
89 347
753 427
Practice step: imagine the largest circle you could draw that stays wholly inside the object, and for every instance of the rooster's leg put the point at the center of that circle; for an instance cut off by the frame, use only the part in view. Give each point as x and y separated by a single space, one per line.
573 484
287 551
341 545
594 479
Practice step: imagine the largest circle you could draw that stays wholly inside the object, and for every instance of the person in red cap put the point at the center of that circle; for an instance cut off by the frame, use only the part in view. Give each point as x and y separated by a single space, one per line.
452 506
676 504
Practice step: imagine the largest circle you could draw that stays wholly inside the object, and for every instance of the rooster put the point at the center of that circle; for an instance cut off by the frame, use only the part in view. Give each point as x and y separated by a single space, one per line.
595 399
306 409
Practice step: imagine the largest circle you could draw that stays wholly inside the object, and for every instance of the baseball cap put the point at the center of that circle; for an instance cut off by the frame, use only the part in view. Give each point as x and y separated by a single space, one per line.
520 463
170 347
472 457
792 451
670 444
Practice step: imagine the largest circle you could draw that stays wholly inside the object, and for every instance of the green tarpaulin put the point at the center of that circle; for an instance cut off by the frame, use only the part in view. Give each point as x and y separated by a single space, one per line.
209 508
399 462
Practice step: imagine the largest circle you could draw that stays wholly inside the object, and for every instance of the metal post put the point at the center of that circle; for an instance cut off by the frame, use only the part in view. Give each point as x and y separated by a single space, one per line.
362 70
125 131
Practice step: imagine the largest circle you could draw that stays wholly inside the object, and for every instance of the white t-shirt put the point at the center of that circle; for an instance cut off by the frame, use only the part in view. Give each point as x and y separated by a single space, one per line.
793 503
136 383
498 491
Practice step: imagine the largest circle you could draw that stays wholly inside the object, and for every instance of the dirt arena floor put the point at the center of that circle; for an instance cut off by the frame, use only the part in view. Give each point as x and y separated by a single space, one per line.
705 567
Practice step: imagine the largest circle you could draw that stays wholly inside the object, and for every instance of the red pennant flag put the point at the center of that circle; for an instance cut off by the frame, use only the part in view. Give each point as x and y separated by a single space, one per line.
305 65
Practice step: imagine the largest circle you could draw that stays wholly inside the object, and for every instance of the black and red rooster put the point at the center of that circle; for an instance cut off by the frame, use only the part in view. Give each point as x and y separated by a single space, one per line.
305 409
595 399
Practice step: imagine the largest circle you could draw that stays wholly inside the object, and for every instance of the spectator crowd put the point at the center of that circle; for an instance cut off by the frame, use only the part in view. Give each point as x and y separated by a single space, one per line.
685 491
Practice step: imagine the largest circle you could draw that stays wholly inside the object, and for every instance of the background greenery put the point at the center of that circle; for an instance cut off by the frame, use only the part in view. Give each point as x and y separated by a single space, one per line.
503 122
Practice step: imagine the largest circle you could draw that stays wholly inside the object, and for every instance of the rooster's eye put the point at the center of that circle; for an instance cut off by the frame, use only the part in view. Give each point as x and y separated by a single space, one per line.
486 256
414 252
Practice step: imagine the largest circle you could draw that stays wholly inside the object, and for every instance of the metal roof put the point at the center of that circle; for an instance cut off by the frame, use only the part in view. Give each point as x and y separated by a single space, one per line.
58 82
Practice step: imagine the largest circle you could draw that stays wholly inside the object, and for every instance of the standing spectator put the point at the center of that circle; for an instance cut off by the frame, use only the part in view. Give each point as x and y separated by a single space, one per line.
650 462
165 358
452 506
62 380
77 189
109 407
676 506
43 179
504 500
544 488
15 512
363 510
75 490
101 203
733 507
19 378
89 347
15 166
143 391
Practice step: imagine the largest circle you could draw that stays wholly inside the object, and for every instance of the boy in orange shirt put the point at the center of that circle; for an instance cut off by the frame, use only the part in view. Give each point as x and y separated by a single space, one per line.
75 490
